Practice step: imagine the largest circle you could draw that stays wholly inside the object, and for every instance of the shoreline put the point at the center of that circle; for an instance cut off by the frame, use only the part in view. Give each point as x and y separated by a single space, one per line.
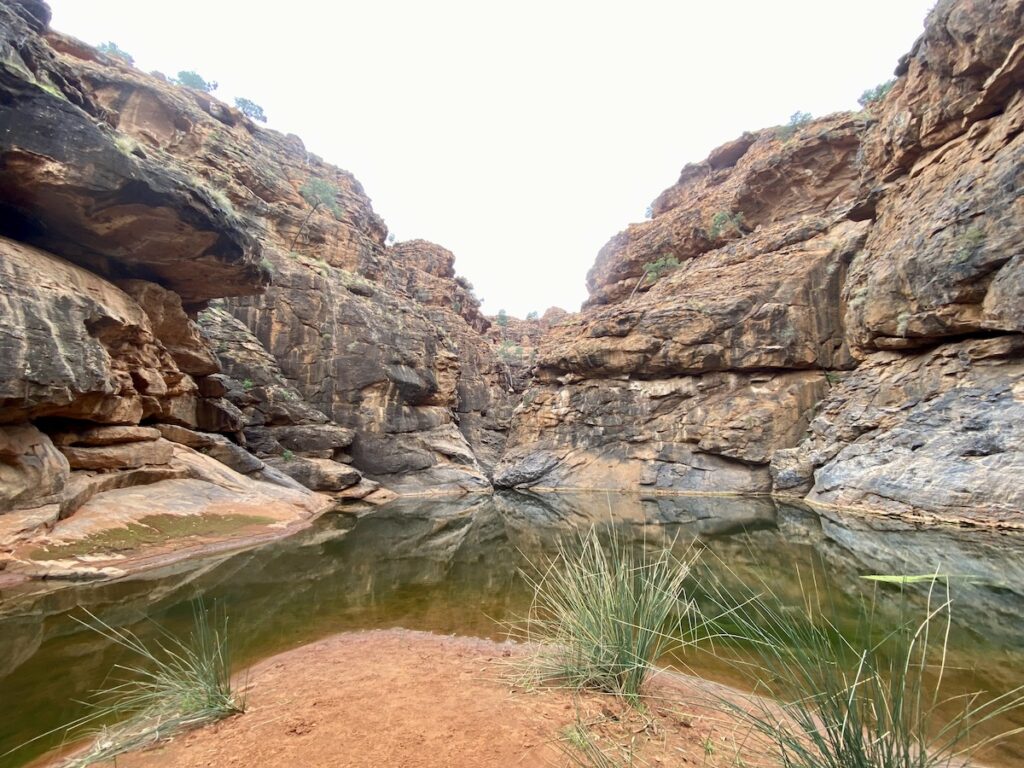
414 698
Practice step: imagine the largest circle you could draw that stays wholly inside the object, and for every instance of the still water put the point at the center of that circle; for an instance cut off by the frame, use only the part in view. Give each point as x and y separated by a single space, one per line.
453 566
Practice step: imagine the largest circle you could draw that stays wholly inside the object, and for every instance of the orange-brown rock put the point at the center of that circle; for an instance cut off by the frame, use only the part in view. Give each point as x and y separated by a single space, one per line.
72 185
76 346
802 277
118 456
774 177
382 342
689 376
33 473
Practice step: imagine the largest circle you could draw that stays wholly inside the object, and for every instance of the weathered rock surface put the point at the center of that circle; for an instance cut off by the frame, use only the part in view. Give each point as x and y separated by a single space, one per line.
381 366
938 433
803 277
689 379
106 249
76 346
33 473
362 354
830 310
73 186
120 456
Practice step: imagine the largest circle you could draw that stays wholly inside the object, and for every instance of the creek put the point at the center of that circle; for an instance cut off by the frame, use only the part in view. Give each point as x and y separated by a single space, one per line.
454 566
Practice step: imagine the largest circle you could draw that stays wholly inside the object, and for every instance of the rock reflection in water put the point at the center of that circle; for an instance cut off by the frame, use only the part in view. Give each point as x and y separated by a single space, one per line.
452 566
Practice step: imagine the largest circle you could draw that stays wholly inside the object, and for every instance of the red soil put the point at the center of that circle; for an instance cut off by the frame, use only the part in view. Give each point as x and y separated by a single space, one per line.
401 698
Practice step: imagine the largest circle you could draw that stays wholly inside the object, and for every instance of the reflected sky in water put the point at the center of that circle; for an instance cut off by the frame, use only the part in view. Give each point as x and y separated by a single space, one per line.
452 566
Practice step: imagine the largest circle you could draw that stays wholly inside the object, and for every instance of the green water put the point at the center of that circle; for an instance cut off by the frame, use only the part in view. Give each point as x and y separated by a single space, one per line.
452 567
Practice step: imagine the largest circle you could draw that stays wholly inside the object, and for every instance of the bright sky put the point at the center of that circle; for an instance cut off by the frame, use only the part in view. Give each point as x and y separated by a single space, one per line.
520 135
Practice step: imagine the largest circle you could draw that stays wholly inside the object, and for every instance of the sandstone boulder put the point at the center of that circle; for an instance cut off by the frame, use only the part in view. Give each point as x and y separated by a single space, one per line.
33 473
318 474
118 456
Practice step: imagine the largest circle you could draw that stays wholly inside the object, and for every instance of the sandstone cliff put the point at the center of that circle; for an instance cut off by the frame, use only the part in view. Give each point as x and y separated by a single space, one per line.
202 318
829 310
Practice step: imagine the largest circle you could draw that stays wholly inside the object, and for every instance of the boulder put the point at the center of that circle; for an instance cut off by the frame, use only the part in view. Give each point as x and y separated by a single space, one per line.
119 456
317 474
33 473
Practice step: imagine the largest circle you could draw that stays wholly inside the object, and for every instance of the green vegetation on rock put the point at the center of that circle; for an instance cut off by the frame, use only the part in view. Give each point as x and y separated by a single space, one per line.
251 109
191 79
111 48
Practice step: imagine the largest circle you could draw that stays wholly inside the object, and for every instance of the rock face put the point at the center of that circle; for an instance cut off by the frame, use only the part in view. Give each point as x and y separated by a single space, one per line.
105 251
140 226
831 310
689 377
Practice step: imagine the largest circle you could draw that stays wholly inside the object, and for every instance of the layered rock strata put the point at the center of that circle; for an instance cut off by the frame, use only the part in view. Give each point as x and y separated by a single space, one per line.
141 227
829 310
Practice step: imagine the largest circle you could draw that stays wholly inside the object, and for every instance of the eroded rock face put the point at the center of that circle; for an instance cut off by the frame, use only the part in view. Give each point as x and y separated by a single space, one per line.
33 473
381 340
831 310
803 277
105 249
379 365
73 186
74 345
762 179
362 354
938 433
688 377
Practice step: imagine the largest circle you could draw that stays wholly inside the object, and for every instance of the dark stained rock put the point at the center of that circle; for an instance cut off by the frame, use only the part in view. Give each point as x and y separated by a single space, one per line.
317 474
72 185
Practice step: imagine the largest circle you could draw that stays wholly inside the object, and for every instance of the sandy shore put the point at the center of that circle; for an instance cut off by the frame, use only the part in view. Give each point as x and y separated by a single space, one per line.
403 698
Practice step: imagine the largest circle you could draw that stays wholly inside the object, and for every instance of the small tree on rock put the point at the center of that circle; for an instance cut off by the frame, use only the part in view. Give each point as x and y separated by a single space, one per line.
193 80
251 109
318 193
111 49
876 94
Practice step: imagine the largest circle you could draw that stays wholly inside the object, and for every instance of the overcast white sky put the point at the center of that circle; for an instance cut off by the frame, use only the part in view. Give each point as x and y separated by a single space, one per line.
521 135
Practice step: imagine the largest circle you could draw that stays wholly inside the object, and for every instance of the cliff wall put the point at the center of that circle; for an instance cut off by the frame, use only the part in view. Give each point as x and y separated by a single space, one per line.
197 310
829 310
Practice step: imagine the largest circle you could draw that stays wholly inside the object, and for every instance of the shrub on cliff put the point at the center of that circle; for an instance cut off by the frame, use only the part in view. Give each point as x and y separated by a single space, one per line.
796 120
655 270
251 109
112 49
876 94
725 223
319 193
191 79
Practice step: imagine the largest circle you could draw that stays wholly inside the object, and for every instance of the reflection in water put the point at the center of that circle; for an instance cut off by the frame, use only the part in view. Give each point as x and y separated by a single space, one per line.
452 566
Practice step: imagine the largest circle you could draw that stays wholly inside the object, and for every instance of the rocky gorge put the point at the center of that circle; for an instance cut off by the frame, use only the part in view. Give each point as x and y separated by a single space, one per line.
206 331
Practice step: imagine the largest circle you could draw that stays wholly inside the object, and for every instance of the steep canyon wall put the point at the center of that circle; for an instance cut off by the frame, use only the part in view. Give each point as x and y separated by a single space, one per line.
829 310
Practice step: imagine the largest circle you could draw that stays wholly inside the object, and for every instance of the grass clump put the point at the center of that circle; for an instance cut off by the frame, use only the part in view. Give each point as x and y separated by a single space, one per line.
582 749
601 616
859 698
172 685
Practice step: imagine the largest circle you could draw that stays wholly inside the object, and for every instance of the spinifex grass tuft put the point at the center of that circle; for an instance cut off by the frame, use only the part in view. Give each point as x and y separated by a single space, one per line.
173 685
602 615
856 698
